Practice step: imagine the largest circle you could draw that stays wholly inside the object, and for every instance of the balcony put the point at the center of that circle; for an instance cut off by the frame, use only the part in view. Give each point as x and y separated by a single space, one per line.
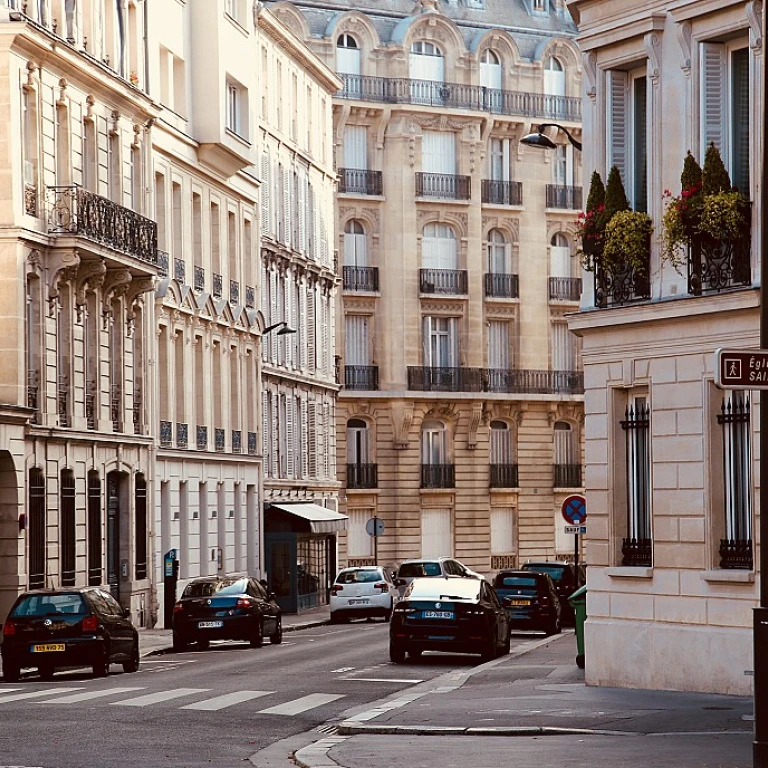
237 441
637 553
251 443
218 437
568 476
622 284
355 181
439 379
166 434
501 192
199 279
250 296
362 476
564 197
182 435
179 271
404 90
217 285
360 278
500 286
736 553
202 438
451 282
532 382
163 260
438 476
504 476
78 212
564 288
444 186
234 292
361 377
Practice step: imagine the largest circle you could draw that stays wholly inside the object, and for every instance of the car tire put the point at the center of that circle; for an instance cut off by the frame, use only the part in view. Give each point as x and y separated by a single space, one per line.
489 651
277 637
553 629
179 643
11 672
132 665
257 638
507 645
46 672
396 653
101 667
203 645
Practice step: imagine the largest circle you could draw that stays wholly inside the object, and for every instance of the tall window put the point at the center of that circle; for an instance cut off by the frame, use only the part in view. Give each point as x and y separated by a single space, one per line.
499 253
141 526
95 529
499 348
237 109
567 460
434 443
559 256
357 339
355 249
554 77
499 160
439 248
356 147
359 543
347 55
563 347
438 152
426 61
562 166
436 533
501 443
490 70
36 533
68 531
441 343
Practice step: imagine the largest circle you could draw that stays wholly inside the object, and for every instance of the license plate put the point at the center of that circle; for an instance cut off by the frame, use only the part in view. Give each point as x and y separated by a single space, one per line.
48 647
210 624
437 615
363 601
519 602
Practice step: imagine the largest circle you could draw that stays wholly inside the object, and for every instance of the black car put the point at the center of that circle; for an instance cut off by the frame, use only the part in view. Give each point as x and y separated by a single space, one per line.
54 628
530 600
215 608
566 577
448 613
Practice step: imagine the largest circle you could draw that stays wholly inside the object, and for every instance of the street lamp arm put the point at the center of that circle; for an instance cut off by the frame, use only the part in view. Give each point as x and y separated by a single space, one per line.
576 143
282 325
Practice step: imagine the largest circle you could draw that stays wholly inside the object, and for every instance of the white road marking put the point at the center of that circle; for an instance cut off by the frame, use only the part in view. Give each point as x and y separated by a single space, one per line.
35 694
343 669
381 680
76 698
8 690
156 698
227 700
298 706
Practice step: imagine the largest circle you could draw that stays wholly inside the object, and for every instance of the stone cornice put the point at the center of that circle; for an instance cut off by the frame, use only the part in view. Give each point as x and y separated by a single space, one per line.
608 33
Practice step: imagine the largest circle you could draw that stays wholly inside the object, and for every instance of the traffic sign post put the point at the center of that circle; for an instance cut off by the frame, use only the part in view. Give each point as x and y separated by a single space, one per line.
574 511
374 526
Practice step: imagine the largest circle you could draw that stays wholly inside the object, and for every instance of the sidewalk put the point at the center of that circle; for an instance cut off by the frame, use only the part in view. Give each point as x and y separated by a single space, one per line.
534 709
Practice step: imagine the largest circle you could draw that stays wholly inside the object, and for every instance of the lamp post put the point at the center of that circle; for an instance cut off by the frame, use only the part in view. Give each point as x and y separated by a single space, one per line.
540 139
285 329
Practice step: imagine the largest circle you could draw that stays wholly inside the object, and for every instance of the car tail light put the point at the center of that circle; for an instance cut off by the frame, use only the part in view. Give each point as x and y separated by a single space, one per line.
90 624
178 608
382 586
336 588
9 628
244 602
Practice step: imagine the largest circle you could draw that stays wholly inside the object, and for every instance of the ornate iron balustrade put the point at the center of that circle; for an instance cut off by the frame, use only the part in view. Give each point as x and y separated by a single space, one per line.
500 286
62 401
180 271
438 476
116 408
361 377
166 434
439 379
250 296
90 405
362 475
564 197
736 553
501 192
637 552
452 282
137 423
33 390
163 260
218 437
199 278
622 283
565 288
504 476
360 182
360 278
76 211
202 437
251 443
182 435
30 199
568 476
237 441
445 186
524 381
234 292
218 284
404 90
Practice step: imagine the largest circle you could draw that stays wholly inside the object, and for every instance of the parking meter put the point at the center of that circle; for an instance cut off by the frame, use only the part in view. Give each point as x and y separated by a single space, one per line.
170 578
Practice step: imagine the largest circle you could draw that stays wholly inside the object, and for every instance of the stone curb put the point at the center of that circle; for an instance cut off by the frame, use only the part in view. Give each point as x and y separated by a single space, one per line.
436 730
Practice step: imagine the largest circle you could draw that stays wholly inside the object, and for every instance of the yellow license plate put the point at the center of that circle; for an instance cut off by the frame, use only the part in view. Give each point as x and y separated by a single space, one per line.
48 647
519 602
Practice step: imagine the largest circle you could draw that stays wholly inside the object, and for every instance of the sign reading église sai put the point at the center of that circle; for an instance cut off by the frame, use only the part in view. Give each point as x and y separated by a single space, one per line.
741 368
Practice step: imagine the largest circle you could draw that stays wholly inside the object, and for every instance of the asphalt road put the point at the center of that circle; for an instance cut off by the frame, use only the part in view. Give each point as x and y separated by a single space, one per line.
212 709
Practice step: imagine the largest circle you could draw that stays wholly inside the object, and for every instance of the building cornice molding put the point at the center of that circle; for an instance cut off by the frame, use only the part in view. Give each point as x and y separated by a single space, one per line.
610 33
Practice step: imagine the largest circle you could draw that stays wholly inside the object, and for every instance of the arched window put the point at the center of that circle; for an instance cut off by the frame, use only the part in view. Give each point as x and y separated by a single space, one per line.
499 261
560 256
434 443
502 459
439 247
347 55
426 63
554 77
567 463
490 70
355 248
357 443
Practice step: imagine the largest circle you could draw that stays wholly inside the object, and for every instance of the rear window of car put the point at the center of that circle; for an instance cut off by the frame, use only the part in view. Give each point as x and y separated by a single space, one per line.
416 570
515 581
358 577
557 572
223 587
51 605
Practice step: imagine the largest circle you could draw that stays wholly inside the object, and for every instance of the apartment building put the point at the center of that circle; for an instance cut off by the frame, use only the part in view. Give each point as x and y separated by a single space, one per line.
670 459
460 414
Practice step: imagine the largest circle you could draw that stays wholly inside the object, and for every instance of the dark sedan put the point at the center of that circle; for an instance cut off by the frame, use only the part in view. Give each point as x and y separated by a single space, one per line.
47 629
566 577
530 600
215 608
448 613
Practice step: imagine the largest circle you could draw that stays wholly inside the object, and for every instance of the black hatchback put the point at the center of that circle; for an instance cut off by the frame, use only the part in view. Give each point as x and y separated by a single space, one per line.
48 628
530 600
566 577
215 608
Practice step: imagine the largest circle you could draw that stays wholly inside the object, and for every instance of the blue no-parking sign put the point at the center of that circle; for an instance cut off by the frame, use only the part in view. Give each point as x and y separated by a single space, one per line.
575 510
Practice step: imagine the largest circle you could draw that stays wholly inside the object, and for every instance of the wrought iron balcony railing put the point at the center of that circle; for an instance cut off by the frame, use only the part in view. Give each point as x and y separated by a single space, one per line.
250 296
361 377
30 199
90 405
33 389
499 286
360 182
219 437
237 441
76 211
637 552
565 197
405 90
163 260
62 401
202 437
217 285
199 278
565 288
446 281
234 292
501 192
116 408
568 476
166 434
251 443
622 283
736 553
360 278
440 379
180 271
362 475
504 476
182 435
438 476
445 186
534 382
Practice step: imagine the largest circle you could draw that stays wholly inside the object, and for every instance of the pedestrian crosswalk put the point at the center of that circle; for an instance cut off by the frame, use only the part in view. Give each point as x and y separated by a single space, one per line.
190 699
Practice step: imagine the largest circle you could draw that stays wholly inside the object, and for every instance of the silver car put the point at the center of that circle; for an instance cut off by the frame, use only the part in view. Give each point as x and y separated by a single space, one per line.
429 567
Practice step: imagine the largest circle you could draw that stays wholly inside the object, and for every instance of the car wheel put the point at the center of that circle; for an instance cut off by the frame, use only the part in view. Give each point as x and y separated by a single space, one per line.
101 667
203 645
489 651
179 643
507 645
277 637
257 638
553 628
11 672
396 653
133 664
46 672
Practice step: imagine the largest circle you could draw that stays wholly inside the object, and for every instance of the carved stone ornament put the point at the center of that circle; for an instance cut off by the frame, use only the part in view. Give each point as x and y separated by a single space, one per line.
755 18
426 6
90 277
116 284
474 422
652 42
402 416
684 39
590 70
62 265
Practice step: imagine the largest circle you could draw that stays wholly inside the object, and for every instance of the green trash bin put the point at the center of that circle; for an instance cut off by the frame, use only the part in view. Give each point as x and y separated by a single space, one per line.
579 602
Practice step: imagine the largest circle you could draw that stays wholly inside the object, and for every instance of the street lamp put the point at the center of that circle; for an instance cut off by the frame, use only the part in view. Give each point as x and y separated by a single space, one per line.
543 141
285 329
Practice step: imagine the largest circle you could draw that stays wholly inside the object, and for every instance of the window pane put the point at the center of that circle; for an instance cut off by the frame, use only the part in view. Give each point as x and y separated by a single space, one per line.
640 148
740 120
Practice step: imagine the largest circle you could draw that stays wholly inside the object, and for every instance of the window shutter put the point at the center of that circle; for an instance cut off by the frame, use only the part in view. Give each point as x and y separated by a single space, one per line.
560 261
289 434
436 539
273 314
356 147
302 244
618 98
502 531
327 424
426 342
713 107
311 233
264 192
498 345
312 440
286 207
453 342
265 439
311 321
304 458
326 311
304 322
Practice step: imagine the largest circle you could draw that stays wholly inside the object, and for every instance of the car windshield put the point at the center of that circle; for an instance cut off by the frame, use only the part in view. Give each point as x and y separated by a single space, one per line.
218 588
557 572
358 577
416 570
514 582
51 605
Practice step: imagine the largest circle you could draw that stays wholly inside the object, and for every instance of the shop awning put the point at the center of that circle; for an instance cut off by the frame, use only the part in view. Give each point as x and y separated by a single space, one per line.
320 519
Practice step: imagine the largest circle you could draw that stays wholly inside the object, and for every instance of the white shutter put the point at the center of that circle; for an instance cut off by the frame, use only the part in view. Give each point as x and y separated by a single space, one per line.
265 438
565 447
324 330
439 253
563 348
490 75
348 61
359 543
618 121
426 342
356 147
264 192
438 152
453 342
498 345
286 178
289 434
355 251
302 245
436 538
357 341
554 82
273 318
304 437
713 95
501 446
502 531
560 261
311 328
304 323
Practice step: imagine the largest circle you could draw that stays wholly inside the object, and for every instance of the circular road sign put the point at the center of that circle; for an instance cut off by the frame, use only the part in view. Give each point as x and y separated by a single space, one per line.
575 510
374 526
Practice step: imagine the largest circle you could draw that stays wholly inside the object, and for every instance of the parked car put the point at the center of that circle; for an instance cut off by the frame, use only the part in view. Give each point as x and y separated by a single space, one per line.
448 613
216 608
54 628
530 600
566 577
366 591
430 567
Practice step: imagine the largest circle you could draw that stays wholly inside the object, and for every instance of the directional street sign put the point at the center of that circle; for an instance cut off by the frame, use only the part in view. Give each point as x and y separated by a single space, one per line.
578 529
741 368
575 509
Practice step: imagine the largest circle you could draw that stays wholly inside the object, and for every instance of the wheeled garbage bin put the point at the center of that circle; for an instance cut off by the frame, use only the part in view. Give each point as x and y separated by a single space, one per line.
579 602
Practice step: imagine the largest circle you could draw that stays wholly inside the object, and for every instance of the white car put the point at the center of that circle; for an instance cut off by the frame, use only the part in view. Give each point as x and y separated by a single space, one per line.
430 567
366 591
